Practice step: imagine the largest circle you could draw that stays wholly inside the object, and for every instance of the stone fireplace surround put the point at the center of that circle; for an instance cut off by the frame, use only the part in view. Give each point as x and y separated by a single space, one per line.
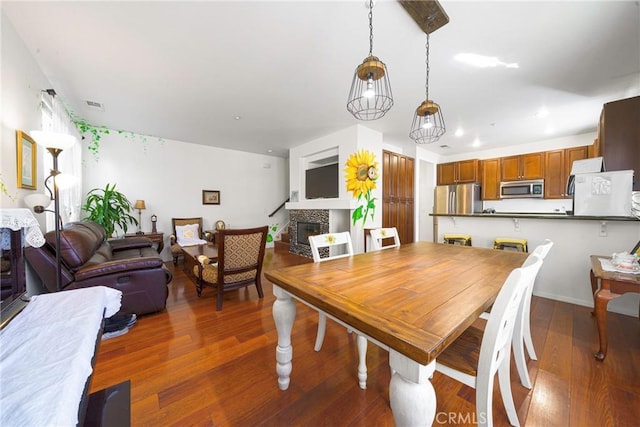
320 216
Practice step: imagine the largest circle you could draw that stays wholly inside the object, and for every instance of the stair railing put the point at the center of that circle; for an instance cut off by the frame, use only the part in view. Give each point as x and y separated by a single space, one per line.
278 208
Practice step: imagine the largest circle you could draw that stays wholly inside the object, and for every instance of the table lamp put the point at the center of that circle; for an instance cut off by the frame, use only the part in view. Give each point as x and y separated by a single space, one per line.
139 205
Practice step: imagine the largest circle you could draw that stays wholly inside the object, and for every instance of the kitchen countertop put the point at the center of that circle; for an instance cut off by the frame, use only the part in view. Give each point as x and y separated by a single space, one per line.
540 215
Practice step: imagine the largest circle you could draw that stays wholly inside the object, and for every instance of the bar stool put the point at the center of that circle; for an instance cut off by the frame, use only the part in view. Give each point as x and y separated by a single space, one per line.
458 239
519 245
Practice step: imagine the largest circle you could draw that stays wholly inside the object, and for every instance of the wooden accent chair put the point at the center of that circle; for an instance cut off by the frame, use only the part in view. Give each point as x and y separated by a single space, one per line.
176 247
477 355
380 236
240 258
321 248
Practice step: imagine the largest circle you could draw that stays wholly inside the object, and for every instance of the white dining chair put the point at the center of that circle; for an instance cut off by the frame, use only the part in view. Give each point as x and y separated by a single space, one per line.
477 355
380 235
522 333
327 247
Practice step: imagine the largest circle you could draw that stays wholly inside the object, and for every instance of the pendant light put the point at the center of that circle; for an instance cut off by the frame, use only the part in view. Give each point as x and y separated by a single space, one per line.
428 123
370 96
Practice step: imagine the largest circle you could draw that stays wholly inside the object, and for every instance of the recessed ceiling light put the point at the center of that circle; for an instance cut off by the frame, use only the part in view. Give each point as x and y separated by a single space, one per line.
482 61
459 132
237 118
269 150
476 143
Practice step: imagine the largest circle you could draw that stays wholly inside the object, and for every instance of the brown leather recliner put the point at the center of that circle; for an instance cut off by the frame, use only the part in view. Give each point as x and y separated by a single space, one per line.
130 265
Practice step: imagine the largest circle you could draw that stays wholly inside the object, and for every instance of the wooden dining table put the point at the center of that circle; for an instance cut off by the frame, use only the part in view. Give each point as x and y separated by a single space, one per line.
413 300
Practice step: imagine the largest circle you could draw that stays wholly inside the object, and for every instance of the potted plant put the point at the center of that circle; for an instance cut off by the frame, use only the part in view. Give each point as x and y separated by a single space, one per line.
109 208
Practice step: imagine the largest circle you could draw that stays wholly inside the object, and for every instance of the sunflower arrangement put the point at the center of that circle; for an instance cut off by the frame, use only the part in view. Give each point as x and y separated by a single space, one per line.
361 175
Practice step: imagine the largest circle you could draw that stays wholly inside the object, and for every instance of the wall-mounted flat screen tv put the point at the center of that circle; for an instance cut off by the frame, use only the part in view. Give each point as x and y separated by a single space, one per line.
322 182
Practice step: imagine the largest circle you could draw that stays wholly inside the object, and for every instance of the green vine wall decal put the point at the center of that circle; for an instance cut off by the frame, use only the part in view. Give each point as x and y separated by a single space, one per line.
272 231
5 190
95 133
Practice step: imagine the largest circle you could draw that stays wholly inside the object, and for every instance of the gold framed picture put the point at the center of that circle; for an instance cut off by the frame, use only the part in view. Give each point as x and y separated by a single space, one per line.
210 197
27 155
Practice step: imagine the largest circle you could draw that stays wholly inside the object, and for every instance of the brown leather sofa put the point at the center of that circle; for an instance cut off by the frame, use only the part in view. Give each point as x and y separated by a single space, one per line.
130 265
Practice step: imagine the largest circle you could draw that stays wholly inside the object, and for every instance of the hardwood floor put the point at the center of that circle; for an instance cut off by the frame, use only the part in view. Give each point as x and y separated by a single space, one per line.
191 365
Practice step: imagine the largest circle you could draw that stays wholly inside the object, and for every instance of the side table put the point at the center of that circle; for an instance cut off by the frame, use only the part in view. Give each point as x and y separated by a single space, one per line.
607 285
157 238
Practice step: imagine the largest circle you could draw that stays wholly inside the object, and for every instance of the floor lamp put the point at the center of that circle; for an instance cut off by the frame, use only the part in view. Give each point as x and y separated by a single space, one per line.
54 143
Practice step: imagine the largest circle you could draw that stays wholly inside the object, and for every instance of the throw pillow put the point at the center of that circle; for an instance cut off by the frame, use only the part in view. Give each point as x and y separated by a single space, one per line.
188 235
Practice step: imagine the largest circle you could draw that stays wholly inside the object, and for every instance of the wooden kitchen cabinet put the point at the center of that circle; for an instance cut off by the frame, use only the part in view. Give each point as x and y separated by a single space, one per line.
521 167
557 167
398 194
619 136
490 179
594 149
458 172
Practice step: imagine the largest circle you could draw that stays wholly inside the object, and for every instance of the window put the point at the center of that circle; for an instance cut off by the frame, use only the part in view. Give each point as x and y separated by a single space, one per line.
55 118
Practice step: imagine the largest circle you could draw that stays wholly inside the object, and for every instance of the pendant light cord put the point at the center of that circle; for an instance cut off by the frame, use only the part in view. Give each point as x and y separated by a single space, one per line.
370 27
426 86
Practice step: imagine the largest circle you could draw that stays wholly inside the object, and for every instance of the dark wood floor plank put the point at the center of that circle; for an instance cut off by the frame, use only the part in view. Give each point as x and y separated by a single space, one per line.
191 365
626 407
550 402
556 353
590 397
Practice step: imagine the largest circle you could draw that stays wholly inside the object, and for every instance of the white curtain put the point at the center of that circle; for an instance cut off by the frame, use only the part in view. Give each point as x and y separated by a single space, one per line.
56 119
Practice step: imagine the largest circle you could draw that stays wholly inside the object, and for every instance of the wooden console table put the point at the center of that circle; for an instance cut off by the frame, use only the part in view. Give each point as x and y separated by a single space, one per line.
157 238
607 285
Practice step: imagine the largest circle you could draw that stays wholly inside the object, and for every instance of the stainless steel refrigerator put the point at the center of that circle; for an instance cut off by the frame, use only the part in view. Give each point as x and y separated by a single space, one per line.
457 199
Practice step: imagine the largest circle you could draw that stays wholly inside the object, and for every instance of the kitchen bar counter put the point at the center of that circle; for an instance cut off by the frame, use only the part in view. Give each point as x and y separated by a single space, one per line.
535 215
565 273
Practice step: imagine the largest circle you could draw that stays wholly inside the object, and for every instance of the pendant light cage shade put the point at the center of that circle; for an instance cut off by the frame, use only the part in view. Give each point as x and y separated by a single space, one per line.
428 123
370 96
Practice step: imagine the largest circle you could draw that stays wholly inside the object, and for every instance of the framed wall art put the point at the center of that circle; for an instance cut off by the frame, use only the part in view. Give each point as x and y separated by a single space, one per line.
26 155
210 197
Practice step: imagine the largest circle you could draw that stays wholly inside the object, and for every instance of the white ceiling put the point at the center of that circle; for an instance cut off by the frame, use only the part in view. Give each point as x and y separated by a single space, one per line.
183 70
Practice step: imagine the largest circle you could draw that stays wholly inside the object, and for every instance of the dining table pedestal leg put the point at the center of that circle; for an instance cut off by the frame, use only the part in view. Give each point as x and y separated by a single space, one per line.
361 342
284 313
411 394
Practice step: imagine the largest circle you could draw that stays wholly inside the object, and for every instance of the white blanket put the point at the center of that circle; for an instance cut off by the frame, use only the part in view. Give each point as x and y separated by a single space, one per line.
45 355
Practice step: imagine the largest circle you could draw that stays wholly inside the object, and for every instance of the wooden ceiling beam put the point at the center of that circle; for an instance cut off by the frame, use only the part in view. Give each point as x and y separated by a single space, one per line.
428 14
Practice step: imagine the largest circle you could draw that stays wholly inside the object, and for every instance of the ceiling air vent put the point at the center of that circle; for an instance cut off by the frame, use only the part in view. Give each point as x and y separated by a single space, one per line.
94 105
444 146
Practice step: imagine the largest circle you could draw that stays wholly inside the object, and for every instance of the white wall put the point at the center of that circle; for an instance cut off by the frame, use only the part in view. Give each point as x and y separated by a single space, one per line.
170 176
22 81
565 273
341 144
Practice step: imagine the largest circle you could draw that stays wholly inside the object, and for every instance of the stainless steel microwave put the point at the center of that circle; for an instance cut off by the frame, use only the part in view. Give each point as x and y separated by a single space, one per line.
522 189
